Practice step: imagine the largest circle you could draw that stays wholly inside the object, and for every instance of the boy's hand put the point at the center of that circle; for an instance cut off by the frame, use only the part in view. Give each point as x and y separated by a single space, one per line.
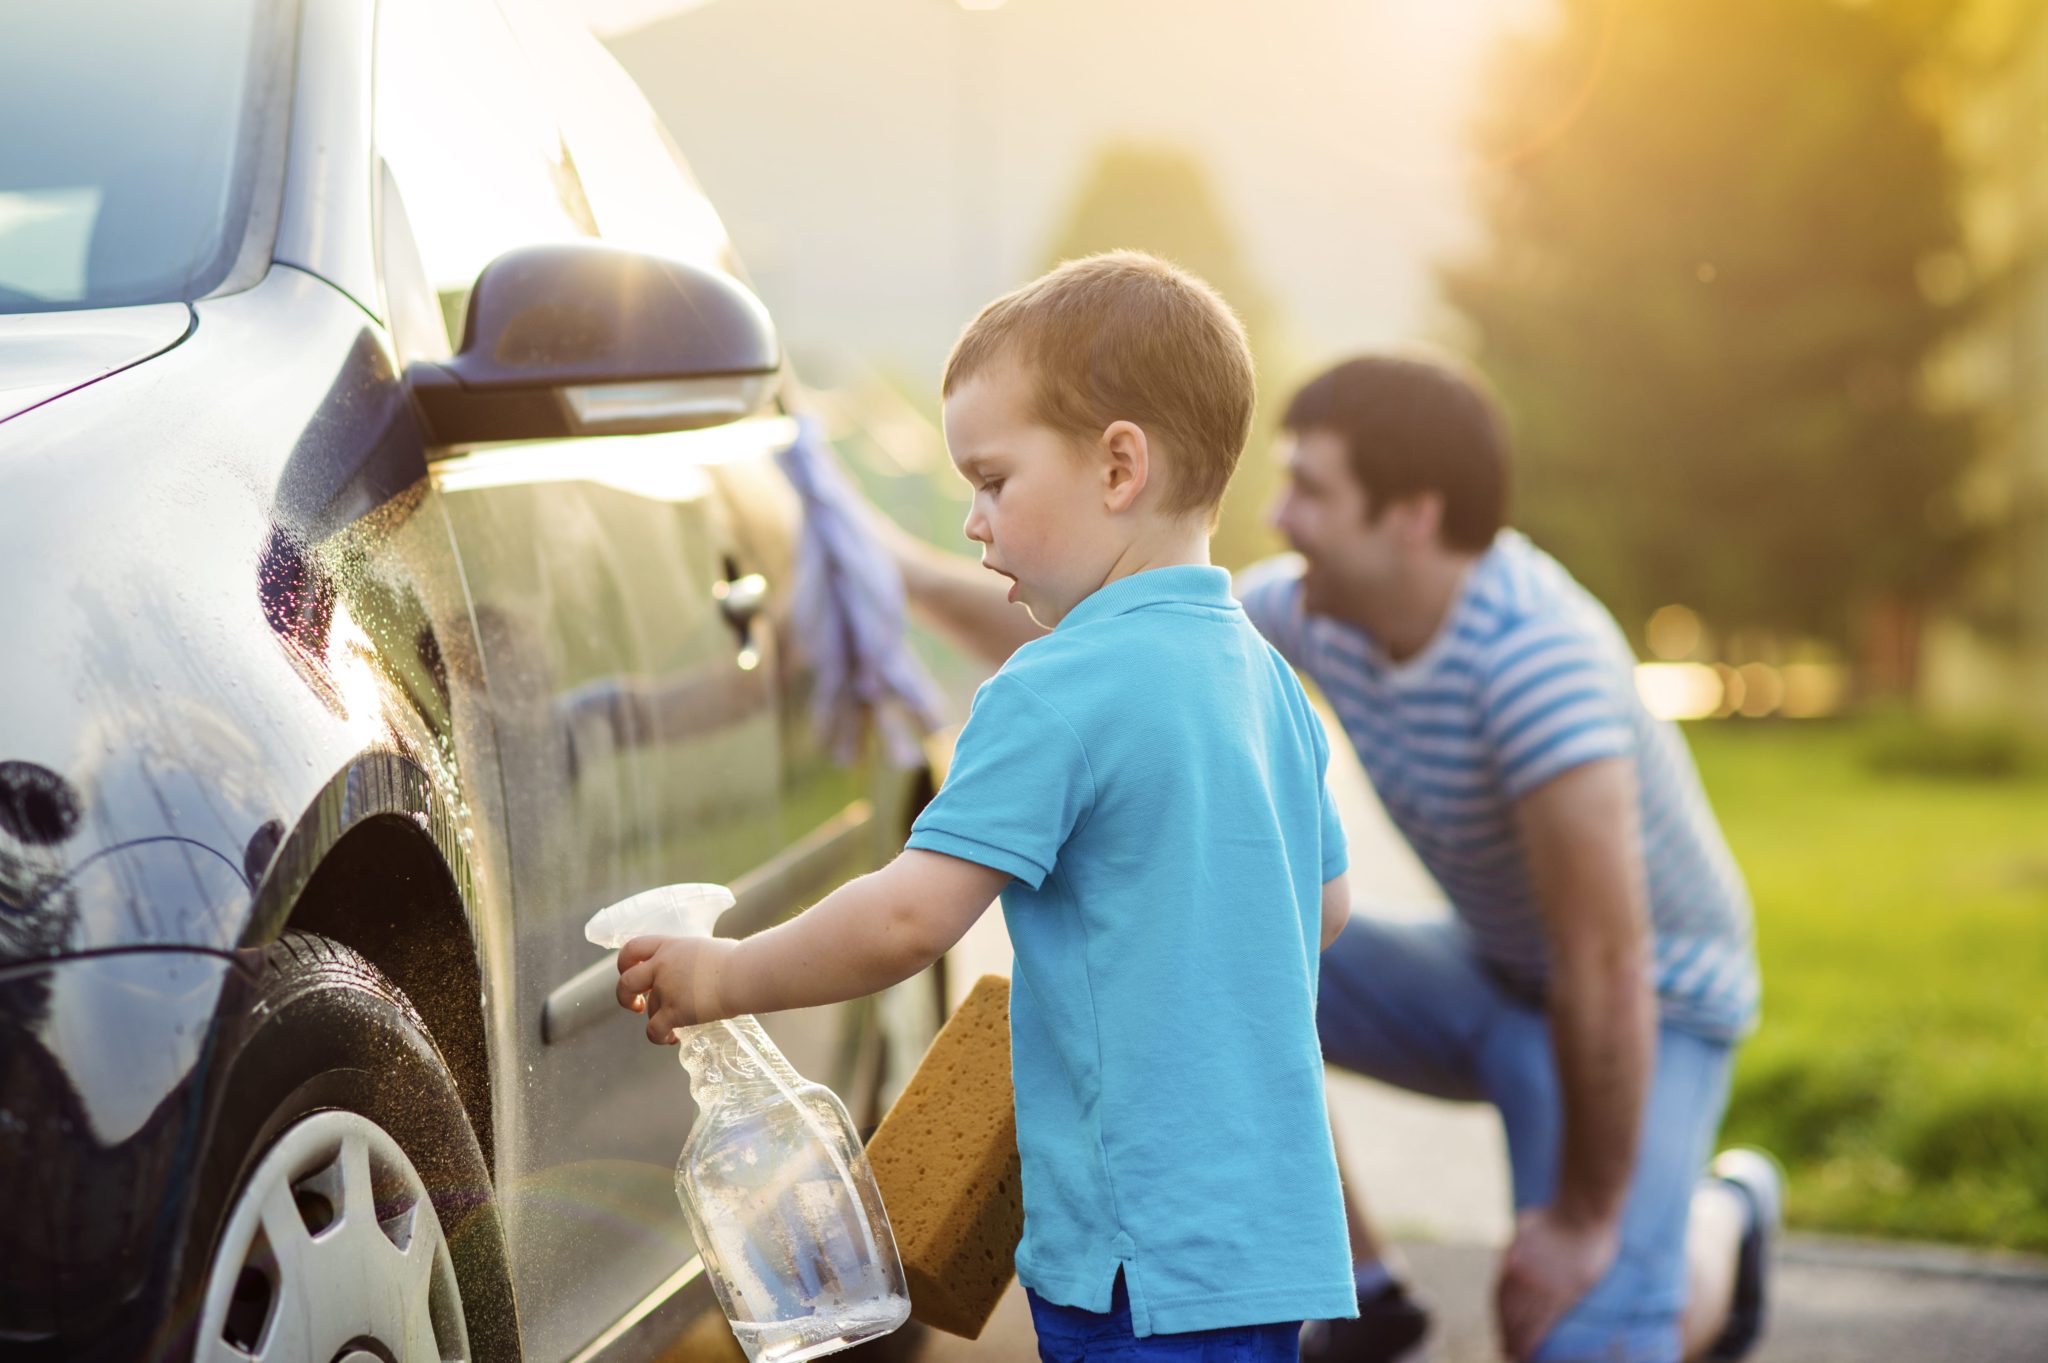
675 981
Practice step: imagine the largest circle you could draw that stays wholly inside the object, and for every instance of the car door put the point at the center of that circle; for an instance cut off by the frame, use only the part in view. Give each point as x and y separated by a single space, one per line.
838 818
632 692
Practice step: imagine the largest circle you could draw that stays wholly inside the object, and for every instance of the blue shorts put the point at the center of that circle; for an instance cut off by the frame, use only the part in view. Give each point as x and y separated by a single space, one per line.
1409 1003
1067 1334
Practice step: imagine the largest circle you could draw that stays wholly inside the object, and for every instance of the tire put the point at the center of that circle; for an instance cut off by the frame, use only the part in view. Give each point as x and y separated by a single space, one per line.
344 1202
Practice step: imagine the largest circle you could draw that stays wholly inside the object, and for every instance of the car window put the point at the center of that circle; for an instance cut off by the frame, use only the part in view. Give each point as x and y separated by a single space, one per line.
128 178
641 192
474 153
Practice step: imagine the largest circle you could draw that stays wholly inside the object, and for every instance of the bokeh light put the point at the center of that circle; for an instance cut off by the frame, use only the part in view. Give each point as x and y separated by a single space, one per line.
1763 690
1674 633
1679 690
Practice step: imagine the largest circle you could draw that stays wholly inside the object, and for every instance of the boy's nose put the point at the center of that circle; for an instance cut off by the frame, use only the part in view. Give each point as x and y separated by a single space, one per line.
976 528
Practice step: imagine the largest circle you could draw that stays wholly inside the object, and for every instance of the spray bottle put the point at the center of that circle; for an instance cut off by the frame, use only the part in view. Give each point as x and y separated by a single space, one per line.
773 1179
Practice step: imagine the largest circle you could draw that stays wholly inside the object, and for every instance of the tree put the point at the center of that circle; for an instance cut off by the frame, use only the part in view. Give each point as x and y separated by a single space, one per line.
1158 199
1708 226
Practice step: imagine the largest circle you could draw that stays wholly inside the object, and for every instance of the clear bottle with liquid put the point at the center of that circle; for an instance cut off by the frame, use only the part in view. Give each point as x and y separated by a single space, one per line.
773 1179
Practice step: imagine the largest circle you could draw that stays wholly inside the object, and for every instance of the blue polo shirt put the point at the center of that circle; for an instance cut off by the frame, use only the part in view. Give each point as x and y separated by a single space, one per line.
1152 776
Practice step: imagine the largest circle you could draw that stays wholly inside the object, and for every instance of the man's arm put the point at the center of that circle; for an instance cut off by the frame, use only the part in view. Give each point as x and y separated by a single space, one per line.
1579 833
868 934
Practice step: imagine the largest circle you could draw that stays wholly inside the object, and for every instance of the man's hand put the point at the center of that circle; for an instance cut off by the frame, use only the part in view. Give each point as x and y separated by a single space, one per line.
675 981
1551 1263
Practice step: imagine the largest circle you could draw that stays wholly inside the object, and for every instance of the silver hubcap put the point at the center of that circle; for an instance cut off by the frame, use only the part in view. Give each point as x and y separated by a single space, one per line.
333 1252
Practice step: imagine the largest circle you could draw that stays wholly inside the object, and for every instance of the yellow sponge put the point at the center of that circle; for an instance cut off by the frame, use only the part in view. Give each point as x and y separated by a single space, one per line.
945 1159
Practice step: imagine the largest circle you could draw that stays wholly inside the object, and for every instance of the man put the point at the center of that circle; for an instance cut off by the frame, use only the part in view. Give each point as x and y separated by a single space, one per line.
1596 971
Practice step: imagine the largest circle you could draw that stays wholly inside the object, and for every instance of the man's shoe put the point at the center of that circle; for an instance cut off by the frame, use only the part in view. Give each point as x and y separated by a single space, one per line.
1760 1181
1390 1325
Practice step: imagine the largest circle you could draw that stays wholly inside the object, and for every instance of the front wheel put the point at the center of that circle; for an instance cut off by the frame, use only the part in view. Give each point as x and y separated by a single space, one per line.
333 1250
351 1208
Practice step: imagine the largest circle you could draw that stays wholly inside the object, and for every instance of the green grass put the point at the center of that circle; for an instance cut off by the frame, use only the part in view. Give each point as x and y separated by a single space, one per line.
1901 1070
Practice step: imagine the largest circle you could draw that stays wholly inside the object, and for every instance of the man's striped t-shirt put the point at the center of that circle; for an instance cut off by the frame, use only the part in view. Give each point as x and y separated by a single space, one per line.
1528 677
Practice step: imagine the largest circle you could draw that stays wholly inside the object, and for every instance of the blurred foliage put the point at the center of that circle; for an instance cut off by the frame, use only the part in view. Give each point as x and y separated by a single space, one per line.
1159 198
1901 1071
1707 226
1989 749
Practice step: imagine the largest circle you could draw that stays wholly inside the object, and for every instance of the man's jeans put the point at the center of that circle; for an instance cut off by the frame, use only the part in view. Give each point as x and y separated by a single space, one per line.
1410 1004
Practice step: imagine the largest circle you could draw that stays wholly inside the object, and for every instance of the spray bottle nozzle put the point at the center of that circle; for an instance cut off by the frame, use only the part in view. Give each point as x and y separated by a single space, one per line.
687 910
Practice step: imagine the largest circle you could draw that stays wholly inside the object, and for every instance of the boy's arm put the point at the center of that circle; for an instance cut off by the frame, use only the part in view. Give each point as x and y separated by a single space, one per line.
1336 908
868 934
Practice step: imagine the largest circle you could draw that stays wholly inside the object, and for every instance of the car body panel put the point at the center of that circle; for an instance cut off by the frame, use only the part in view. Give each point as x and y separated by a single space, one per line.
43 355
214 579
251 612
118 1141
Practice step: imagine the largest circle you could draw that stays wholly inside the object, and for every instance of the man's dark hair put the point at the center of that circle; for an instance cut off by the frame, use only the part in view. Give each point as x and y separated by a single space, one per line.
1414 425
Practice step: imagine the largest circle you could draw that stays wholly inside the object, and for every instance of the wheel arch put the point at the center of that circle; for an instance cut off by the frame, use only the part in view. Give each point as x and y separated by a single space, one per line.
378 864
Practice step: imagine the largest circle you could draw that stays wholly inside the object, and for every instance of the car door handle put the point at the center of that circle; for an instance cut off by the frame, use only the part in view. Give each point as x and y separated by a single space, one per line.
741 599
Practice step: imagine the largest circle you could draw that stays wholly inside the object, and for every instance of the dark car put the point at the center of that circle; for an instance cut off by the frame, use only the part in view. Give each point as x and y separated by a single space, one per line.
398 568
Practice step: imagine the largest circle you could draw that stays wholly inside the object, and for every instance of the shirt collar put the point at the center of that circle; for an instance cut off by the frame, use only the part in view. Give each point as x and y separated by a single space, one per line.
1424 661
1193 584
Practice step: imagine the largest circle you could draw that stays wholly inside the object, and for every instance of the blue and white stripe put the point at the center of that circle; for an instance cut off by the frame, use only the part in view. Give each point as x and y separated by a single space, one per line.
1528 678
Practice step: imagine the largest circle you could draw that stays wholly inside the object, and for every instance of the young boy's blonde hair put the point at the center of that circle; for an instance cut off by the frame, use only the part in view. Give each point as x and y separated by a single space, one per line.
1125 336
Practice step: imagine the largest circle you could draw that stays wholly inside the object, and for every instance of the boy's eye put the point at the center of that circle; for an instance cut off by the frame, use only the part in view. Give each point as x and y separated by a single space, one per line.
992 485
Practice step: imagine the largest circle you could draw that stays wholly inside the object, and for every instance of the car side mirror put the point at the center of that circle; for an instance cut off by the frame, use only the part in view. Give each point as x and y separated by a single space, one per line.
588 339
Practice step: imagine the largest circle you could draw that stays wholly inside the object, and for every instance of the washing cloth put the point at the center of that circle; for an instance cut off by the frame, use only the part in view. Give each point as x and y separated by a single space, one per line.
848 609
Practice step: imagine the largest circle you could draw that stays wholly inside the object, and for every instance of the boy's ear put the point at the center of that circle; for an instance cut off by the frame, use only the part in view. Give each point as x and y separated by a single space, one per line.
1126 464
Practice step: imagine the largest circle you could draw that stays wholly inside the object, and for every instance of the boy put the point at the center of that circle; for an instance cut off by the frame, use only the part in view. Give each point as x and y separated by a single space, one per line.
1150 777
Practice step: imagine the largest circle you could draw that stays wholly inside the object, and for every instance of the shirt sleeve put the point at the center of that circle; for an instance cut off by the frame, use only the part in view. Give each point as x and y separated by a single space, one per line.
1270 592
1554 698
1017 788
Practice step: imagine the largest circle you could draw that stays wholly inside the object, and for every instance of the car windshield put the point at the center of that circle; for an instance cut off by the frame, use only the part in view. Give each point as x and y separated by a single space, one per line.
126 168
